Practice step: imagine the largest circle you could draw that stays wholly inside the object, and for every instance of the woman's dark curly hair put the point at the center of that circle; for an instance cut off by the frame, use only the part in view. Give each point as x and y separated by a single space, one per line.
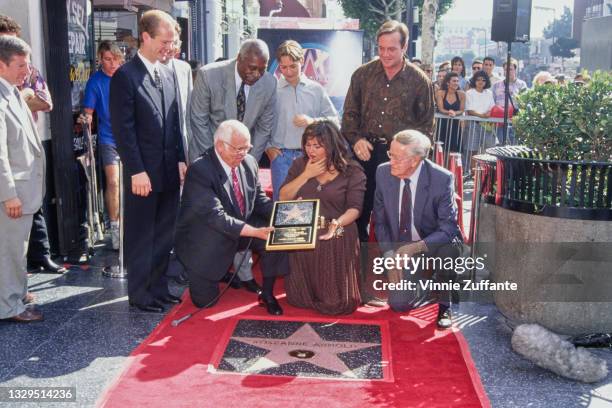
328 135
480 74
447 79
458 59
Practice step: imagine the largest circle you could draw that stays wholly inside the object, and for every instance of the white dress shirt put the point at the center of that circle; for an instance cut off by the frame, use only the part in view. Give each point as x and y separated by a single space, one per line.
149 65
228 171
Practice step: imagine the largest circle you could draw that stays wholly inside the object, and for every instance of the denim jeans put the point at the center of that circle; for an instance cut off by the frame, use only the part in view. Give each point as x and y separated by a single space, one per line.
280 167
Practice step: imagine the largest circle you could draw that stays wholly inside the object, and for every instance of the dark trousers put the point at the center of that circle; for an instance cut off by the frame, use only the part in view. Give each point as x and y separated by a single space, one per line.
149 236
38 248
404 300
378 156
205 291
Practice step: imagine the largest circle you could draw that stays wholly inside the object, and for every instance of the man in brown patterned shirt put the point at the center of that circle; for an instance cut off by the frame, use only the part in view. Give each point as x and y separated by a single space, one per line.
386 95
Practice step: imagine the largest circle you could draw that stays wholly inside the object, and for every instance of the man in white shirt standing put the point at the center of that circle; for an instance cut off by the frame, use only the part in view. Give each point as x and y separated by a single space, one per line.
299 102
488 66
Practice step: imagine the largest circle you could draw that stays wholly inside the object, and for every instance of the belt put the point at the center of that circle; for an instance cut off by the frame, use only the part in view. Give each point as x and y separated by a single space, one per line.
374 140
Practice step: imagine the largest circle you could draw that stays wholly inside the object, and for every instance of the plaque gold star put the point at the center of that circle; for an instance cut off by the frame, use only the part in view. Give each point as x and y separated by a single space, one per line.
295 213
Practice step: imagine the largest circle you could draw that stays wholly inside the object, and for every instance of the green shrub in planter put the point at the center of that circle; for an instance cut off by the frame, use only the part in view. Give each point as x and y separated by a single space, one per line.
568 122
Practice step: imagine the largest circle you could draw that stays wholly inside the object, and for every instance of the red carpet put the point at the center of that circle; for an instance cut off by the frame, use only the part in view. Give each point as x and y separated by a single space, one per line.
430 368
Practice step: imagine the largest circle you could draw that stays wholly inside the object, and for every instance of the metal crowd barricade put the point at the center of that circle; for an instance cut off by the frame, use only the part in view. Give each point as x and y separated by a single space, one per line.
465 134
119 271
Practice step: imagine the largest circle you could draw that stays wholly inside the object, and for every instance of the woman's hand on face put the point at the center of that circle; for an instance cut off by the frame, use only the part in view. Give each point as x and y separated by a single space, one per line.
314 169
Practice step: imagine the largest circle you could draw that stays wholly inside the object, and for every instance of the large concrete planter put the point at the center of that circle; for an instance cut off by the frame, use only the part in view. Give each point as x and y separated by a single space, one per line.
562 264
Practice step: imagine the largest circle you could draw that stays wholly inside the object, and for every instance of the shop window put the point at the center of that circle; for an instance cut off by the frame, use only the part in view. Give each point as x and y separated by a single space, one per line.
118 26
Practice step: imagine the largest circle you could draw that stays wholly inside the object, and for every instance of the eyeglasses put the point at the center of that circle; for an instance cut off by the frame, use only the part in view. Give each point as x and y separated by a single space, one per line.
391 156
239 150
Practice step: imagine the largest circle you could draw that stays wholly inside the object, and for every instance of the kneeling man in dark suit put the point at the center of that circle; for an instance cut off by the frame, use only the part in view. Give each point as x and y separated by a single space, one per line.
416 217
223 211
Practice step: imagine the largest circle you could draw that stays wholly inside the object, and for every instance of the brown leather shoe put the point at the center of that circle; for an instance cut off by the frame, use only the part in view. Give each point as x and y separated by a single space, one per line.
29 298
27 316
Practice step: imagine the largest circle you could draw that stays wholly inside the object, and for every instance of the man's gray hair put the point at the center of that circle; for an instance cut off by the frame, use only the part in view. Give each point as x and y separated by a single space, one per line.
254 46
227 128
418 142
11 46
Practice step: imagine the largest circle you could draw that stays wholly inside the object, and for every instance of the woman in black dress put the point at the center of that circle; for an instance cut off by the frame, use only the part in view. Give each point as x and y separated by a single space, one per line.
450 101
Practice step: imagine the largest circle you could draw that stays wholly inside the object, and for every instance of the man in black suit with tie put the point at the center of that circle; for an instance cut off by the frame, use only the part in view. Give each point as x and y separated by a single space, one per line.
223 211
145 122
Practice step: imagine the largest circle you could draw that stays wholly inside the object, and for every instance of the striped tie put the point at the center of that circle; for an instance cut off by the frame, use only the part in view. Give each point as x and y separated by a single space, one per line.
237 192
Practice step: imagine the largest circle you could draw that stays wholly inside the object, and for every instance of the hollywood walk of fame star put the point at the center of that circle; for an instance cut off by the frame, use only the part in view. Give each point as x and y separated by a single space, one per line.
304 345
295 213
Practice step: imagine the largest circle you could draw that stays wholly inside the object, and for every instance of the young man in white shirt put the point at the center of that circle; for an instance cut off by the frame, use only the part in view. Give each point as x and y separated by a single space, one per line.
299 102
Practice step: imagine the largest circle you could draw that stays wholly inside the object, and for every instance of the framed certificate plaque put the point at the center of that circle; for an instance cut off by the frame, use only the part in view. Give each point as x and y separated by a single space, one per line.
295 225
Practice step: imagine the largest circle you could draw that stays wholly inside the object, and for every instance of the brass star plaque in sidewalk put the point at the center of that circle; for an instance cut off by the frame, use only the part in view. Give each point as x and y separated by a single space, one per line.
347 350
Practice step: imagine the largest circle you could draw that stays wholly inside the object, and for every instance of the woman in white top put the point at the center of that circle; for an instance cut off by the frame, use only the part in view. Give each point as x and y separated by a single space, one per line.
478 102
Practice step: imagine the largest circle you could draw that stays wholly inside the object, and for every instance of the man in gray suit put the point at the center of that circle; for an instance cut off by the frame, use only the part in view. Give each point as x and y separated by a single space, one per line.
22 174
415 217
184 83
236 89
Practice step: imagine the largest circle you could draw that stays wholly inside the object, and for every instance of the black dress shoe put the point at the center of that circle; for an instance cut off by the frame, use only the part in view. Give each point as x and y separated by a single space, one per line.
151 307
27 316
48 265
271 305
170 299
252 286
445 319
235 282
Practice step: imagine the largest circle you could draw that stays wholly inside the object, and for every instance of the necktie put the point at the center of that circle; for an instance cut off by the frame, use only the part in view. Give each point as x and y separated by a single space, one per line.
157 78
237 192
405 226
240 102
18 96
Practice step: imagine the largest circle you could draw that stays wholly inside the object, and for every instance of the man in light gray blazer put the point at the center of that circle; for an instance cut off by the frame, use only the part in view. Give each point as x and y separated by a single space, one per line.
183 79
236 89
415 216
22 174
